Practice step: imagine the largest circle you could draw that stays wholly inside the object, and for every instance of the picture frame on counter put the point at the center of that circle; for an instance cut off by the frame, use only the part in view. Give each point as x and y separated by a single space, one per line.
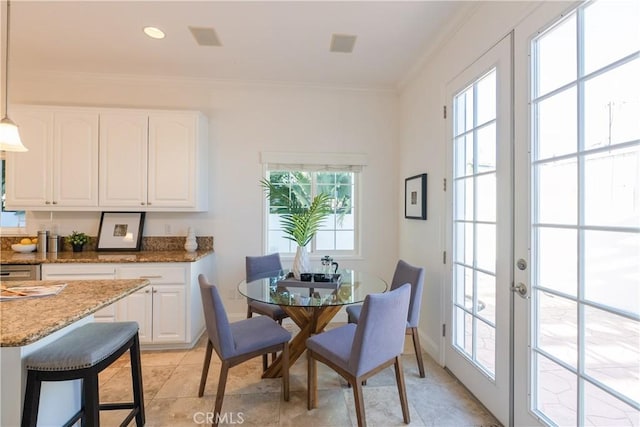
120 231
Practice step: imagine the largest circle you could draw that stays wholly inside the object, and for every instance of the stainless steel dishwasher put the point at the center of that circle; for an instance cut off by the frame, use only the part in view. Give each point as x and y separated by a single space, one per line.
14 272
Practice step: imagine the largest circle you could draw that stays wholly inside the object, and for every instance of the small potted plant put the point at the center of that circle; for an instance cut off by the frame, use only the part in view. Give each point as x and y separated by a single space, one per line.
77 240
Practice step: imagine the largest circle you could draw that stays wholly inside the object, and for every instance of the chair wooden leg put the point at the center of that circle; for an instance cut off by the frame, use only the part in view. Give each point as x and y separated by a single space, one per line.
205 368
402 390
222 383
249 312
285 371
418 350
265 362
359 401
312 388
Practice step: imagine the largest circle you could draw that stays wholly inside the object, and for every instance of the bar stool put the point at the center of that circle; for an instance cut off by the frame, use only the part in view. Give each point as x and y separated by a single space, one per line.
82 354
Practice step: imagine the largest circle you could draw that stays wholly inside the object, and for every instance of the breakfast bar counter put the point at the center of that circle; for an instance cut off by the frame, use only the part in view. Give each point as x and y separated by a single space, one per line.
25 321
28 324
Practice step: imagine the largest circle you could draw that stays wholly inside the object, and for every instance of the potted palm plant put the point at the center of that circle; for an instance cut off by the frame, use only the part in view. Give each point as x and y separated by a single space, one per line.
300 219
77 240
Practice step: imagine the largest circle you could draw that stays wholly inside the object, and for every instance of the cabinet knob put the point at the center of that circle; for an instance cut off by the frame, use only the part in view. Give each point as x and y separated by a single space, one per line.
47 202
155 291
142 203
148 203
147 291
55 203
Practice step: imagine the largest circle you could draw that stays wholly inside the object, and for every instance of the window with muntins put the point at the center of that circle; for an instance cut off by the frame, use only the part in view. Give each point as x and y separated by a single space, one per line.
338 234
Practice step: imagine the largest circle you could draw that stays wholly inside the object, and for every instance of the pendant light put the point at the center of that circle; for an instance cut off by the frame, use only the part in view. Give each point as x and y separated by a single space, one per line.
9 135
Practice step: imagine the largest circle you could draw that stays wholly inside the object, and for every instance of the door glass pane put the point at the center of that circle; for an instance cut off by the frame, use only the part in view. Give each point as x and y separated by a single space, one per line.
486 346
604 410
487 148
556 392
463 207
612 188
612 106
464 156
557 124
557 327
463 105
486 98
612 269
611 32
557 261
486 247
486 194
556 57
557 192
612 351
464 243
486 303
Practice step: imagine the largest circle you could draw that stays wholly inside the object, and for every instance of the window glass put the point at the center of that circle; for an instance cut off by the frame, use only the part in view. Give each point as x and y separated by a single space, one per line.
337 233
9 220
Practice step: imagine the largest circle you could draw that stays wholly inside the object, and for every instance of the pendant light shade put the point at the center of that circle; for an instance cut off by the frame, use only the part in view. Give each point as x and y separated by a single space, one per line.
9 135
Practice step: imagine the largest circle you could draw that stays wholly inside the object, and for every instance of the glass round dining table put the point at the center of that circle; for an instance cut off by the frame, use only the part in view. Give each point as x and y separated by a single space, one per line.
310 304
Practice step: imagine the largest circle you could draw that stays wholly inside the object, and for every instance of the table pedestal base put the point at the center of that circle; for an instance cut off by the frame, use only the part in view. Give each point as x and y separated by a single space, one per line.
311 321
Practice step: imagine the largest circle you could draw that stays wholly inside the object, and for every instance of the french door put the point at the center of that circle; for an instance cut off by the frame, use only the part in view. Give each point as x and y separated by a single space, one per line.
480 202
577 221
551 210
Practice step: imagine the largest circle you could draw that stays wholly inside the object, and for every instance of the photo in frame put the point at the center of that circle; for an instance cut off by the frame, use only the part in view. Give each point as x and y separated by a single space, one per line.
120 231
415 197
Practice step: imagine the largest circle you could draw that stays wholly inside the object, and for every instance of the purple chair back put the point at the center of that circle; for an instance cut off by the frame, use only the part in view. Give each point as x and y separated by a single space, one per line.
380 334
215 316
259 267
406 273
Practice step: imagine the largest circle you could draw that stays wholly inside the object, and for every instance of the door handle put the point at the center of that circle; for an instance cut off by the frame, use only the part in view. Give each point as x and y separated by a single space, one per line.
521 289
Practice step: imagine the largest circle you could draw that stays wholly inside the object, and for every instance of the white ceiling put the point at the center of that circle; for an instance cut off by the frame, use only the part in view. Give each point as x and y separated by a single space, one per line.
261 41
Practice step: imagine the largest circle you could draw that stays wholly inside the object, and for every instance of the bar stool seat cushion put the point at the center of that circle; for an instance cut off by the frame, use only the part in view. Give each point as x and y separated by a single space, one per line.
83 347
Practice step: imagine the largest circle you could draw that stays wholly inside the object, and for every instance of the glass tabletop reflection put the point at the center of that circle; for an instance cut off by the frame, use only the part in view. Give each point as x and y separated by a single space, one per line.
346 287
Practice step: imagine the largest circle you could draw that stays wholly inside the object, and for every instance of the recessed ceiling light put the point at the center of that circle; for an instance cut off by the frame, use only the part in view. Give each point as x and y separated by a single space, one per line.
153 32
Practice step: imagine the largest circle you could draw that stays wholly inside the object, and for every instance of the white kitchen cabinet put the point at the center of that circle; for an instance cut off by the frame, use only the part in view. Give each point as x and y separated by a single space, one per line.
60 170
160 308
84 272
123 159
168 310
153 161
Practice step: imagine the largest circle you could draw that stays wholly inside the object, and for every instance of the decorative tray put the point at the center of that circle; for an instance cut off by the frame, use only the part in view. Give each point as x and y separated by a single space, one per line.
315 281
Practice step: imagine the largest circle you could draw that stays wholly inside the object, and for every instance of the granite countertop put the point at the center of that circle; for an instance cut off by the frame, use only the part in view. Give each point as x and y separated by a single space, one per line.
17 258
25 321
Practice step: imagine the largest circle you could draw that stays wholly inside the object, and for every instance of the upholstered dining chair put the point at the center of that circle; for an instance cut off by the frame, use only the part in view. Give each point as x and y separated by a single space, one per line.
357 352
404 273
259 267
238 342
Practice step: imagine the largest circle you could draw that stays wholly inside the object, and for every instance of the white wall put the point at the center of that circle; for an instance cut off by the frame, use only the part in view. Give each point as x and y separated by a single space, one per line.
245 119
423 148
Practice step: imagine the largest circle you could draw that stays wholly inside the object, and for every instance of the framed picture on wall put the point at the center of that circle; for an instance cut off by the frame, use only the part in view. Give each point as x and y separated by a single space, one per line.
120 231
415 197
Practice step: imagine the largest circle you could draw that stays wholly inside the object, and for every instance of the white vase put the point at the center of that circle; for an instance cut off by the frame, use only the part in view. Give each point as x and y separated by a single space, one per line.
191 244
301 262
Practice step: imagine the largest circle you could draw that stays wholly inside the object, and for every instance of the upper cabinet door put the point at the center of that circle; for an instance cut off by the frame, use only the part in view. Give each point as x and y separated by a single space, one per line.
123 159
60 169
172 162
75 157
28 174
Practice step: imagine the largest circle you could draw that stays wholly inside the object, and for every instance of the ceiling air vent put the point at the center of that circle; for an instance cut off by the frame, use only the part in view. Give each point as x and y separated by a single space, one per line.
342 43
205 36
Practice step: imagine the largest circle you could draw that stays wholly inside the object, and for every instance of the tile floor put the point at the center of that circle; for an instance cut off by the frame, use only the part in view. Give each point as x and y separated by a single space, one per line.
171 380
